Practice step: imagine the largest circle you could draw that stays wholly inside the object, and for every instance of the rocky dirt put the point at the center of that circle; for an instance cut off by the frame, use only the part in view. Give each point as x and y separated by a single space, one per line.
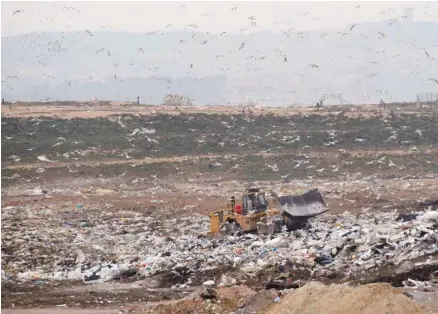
367 299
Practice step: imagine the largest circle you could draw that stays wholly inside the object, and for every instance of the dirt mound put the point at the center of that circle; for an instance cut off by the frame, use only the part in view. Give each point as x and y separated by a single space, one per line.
315 297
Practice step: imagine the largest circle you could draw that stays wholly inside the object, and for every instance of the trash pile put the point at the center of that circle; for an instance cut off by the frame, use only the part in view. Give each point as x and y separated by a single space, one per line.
100 246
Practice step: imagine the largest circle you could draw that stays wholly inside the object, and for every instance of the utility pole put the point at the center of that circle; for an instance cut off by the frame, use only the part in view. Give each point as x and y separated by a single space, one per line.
138 100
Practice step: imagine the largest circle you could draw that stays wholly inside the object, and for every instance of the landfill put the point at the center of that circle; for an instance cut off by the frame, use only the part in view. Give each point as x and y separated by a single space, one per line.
107 246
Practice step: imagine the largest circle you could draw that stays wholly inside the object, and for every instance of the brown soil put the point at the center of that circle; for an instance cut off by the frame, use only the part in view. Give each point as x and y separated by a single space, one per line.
95 110
315 297
327 154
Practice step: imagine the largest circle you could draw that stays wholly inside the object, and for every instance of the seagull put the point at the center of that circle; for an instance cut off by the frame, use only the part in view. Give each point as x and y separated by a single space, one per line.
68 8
234 9
57 144
241 46
427 54
383 35
11 77
352 26
88 32
18 11
433 79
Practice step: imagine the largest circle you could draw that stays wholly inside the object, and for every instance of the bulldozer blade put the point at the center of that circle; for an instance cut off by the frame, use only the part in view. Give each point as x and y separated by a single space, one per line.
304 206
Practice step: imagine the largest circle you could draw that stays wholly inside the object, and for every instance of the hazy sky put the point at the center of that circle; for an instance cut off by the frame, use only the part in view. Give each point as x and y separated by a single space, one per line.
208 16
313 50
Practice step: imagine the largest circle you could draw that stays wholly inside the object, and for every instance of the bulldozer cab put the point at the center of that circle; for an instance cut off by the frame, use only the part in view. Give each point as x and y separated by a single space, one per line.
254 200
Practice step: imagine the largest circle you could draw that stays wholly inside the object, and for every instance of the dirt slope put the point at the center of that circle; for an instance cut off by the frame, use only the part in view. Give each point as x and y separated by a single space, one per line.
315 297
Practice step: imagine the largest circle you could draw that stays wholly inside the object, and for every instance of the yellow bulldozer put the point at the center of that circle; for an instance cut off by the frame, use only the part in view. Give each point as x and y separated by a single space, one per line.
254 213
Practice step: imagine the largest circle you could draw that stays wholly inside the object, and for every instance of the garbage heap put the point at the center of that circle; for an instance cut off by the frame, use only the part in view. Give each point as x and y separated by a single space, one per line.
45 245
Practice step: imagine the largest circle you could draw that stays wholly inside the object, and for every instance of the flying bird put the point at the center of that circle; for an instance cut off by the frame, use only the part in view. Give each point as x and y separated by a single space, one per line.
242 45
383 35
69 8
18 11
352 26
11 77
88 32
234 9
433 80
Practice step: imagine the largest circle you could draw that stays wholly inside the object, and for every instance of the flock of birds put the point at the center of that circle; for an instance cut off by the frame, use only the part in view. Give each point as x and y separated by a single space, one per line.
56 46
